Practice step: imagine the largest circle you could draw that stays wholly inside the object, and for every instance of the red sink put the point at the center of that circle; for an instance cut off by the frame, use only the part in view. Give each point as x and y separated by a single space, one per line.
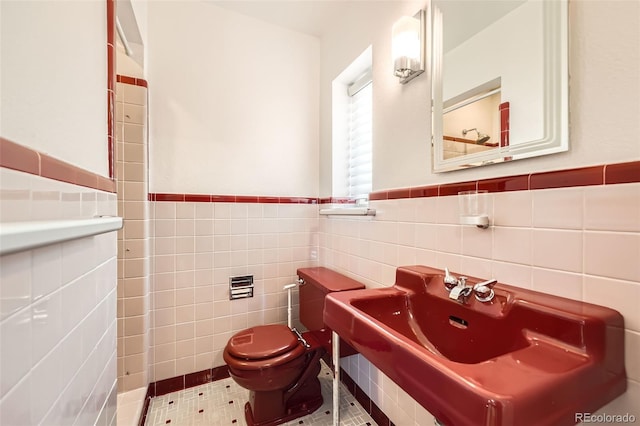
525 358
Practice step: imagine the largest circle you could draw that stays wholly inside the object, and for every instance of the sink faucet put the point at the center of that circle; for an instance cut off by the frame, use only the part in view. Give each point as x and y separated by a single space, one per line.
457 287
460 291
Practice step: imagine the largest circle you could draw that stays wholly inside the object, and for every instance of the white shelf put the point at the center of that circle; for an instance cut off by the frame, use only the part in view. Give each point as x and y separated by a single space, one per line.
21 236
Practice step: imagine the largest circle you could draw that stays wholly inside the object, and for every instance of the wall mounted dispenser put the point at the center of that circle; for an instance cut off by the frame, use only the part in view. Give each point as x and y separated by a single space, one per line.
473 208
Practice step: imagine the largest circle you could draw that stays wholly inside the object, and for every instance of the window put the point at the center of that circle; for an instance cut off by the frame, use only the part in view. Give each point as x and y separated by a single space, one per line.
359 178
352 132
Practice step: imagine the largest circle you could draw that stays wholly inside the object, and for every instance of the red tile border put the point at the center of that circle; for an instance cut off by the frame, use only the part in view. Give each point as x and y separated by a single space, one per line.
504 109
55 169
198 198
18 157
174 384
198 378
622 173
246 199
379 195
298 200
86 179
219 373
186 381
167 197
510 183
205 198
336 200
135 81
269 200
424 191
454 188
584 176
111 84
106 184
223 198
399 193
567 178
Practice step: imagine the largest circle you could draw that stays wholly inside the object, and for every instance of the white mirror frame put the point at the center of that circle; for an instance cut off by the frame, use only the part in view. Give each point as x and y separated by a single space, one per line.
555 96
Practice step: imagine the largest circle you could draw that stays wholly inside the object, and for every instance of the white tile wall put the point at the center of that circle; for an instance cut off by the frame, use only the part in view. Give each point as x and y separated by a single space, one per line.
580 243
58 311
197 247
134 246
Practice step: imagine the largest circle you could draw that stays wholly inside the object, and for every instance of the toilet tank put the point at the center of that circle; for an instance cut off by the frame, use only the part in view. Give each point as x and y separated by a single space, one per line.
318 282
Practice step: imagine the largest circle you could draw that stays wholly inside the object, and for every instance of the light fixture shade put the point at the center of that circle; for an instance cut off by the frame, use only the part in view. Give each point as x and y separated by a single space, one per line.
408 47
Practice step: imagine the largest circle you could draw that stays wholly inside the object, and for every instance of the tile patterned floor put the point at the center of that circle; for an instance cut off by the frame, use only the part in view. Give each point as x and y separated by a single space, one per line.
222 403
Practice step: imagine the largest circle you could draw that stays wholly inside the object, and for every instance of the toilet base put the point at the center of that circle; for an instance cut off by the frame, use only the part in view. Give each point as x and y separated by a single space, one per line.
271 411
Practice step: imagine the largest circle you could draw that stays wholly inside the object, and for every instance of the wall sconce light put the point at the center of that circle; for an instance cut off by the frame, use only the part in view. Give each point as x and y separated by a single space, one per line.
408 47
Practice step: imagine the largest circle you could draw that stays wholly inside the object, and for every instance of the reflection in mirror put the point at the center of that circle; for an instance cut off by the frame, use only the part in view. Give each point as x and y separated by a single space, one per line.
500 81
473 124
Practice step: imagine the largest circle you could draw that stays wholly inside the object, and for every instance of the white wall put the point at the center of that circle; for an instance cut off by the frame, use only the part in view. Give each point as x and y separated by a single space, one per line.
400 113
53 71
604 67
233 103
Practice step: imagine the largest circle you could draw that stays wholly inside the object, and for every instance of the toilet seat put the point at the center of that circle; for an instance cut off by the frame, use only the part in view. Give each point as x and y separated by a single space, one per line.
264 346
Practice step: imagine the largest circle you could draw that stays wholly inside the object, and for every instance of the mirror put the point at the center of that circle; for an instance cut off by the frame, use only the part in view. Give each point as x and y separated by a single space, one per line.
500 81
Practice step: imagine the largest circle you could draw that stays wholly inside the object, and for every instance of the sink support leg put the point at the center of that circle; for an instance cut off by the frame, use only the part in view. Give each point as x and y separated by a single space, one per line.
335 349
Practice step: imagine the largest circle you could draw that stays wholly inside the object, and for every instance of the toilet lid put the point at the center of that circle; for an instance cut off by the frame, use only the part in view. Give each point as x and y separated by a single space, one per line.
261 342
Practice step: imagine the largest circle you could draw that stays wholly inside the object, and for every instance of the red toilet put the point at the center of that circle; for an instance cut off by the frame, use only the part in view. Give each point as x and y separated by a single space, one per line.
278 369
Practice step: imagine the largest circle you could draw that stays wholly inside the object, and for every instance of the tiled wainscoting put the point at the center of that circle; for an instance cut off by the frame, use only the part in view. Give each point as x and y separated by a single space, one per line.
57 310
197 247
580 242
572 233
134 244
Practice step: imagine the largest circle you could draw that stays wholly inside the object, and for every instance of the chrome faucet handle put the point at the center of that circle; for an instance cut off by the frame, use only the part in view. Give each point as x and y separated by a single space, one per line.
484 290
449 280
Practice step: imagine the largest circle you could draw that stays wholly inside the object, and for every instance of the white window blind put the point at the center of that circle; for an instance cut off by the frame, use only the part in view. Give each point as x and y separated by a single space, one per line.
360 124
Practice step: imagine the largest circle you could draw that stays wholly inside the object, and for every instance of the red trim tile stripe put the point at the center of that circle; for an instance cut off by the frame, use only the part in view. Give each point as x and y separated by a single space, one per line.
454 188
336 200
567 178
504 184
111 84
622 173
18 157
178 383
504 123
585 176
204 198
132 80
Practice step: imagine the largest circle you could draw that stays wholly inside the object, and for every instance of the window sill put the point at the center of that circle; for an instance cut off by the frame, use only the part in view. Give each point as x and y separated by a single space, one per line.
348 211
